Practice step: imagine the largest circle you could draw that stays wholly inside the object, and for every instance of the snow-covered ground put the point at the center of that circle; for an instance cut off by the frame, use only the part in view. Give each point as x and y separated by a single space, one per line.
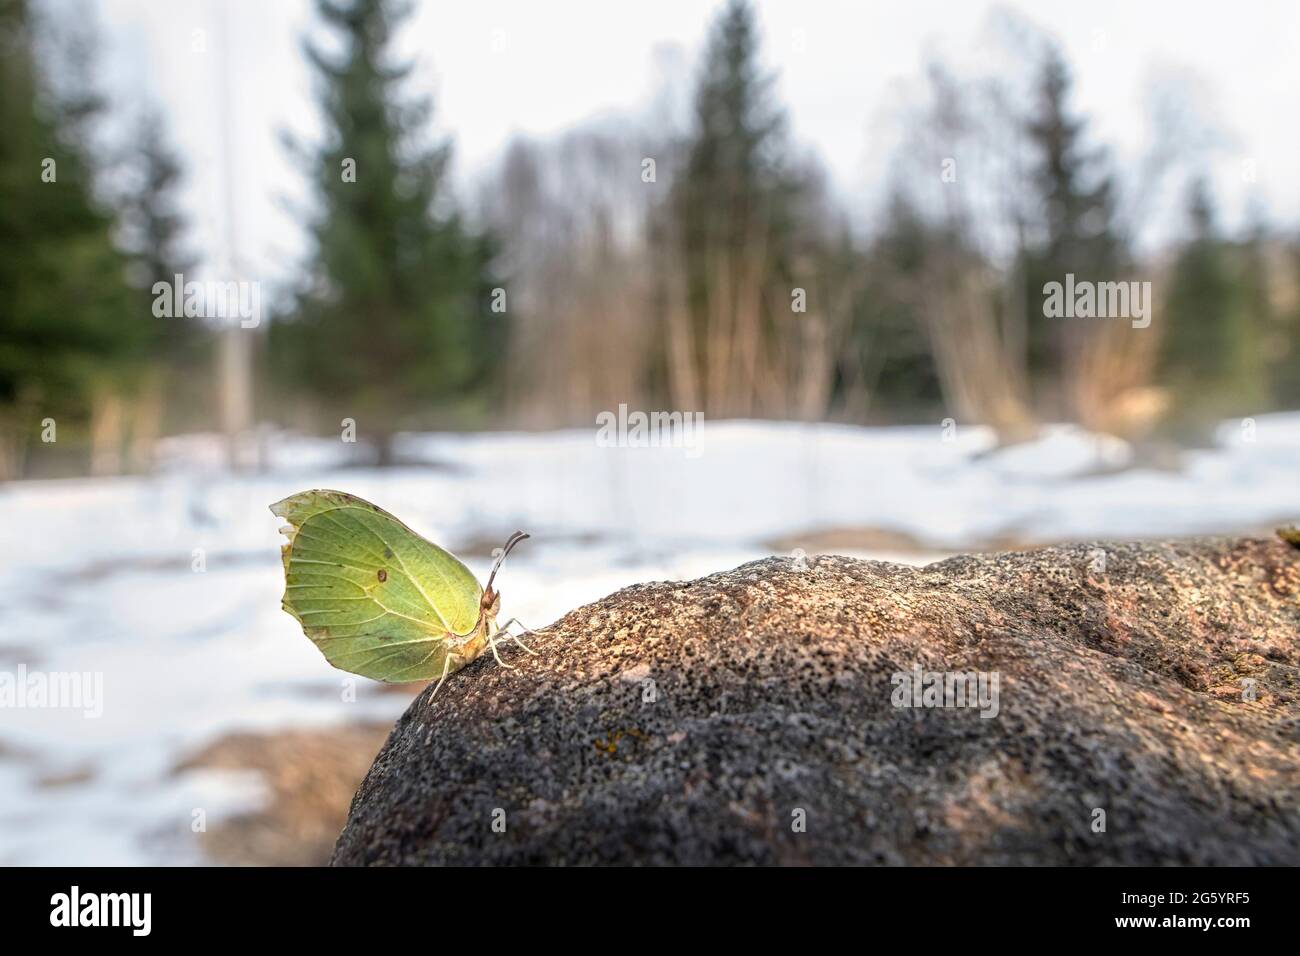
169 586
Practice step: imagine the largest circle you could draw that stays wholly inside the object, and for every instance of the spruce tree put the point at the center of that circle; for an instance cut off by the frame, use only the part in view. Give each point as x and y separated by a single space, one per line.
153 236
889 332
393 327
734 207
71 328
1075 231
1210 354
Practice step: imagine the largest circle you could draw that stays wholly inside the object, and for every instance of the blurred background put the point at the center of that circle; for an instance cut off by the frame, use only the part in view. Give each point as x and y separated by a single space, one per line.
416 251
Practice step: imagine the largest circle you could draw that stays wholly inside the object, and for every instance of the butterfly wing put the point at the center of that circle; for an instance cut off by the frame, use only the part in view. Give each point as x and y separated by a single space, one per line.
374 596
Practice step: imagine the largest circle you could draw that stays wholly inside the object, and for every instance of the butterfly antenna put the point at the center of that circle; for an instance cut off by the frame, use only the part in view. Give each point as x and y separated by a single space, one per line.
513 540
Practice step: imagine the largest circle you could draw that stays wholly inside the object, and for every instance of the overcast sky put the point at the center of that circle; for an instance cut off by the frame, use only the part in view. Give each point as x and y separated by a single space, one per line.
499 67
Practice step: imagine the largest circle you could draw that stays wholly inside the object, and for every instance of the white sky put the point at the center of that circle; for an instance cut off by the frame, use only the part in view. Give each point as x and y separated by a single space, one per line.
505 66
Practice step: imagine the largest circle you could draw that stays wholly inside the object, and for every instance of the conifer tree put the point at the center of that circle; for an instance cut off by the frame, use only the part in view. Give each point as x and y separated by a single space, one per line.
734 206
1210 354
1075 232
394 327
71 328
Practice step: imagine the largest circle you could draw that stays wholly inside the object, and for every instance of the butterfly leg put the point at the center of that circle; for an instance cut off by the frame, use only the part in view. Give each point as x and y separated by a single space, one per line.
505 629
446 665
492 642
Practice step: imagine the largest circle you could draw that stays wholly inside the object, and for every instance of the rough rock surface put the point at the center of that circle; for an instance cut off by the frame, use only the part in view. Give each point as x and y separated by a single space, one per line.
699 722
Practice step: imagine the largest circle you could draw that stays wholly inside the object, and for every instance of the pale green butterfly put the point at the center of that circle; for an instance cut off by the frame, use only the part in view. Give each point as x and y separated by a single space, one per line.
378 599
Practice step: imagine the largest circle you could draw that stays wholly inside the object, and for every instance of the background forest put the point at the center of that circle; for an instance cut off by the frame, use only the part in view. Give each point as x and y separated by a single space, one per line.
694 260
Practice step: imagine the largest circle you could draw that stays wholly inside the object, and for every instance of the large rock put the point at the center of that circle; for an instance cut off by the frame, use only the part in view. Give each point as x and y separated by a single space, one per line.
703 722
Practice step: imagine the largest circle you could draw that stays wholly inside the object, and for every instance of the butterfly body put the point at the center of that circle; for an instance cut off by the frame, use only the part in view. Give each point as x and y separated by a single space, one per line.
376 598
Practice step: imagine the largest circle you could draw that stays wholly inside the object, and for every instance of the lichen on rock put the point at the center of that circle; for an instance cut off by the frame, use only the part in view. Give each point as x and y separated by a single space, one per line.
1147 705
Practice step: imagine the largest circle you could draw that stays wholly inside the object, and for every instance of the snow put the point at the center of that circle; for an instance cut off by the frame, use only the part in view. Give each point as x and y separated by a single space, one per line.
100 575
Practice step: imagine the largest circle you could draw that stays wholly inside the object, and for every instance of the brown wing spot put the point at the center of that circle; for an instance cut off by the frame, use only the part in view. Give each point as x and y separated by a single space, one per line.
383 575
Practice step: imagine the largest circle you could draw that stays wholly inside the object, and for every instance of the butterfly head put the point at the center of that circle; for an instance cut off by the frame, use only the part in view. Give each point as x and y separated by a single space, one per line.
490 604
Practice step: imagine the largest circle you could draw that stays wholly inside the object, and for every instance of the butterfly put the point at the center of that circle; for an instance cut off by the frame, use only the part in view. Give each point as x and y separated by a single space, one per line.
378 599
